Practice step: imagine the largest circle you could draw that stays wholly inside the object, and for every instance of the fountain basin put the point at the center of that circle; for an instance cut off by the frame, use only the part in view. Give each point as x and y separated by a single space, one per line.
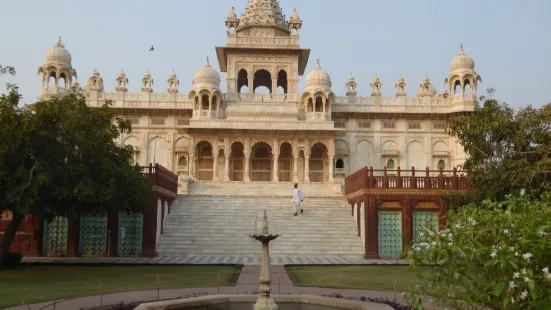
246 302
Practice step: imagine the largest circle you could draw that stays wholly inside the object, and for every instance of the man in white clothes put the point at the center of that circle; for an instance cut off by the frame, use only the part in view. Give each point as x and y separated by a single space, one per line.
297 200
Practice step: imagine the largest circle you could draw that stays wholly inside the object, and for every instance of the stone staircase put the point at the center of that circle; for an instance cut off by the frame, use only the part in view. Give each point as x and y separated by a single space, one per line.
264 189
216 219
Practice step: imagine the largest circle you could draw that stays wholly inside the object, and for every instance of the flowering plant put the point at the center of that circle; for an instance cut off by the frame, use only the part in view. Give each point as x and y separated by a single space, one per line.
491 256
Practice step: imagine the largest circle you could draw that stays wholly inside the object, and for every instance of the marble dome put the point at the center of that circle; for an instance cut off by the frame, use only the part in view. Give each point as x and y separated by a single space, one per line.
462 61
206 77
318 78
58 53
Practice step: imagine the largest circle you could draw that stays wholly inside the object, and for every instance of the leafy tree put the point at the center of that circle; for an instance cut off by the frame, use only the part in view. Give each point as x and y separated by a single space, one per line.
63 159
492 256
513 148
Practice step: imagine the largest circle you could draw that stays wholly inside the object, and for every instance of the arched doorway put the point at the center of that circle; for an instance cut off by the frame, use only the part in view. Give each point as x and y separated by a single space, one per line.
261 162
318 158
282 81
242 81
237 162
262 78
206 161
285 162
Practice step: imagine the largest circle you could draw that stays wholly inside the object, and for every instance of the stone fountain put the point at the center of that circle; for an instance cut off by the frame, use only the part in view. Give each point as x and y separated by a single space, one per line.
265 301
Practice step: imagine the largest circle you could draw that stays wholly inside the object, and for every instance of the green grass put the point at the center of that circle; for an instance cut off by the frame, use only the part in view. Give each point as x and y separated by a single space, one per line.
355 277
76 281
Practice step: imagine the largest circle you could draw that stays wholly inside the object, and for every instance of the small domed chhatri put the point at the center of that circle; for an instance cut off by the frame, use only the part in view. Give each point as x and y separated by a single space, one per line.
318 78
206 77
58 53
462 61
294 17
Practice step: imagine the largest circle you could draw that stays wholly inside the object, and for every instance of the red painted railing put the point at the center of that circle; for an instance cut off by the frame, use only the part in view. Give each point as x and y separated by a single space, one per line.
161 177
368 178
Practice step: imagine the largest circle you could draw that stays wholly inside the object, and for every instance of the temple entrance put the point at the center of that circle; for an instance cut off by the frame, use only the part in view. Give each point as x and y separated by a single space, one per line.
285 162
318 159
205 161
237 162
261 163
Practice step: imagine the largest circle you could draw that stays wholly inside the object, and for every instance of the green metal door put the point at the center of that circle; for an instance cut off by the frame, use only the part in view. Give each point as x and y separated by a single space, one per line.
390 234
423 221
93 234
55 236
130 233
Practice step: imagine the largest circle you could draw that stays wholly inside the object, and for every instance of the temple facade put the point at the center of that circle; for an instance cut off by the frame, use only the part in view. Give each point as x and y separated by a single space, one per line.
263 128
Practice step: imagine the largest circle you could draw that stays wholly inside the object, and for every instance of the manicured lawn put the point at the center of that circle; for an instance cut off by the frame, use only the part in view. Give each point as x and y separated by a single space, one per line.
355 277
74 281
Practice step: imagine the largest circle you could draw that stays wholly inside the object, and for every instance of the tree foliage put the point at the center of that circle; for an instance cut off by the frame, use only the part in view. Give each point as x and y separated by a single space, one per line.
513 148
63 159
492 256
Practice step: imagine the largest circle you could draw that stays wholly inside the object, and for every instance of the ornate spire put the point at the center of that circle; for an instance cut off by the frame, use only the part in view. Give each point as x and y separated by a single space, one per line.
59 43
318 66
207 64
263 13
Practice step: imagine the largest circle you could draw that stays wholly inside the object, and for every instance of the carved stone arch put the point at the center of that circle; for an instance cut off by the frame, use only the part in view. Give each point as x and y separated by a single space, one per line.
439 141
203 140
389 142
318 141
154 135
286 140
259 141
191 95
341 150
416 140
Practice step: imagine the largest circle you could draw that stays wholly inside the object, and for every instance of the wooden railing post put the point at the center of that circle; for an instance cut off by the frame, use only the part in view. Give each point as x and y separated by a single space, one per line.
441 179
428 182
385 178
413 181
398 178
371 178
454 179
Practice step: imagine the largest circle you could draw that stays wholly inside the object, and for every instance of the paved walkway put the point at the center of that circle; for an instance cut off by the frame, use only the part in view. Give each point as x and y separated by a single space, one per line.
247 283
217 260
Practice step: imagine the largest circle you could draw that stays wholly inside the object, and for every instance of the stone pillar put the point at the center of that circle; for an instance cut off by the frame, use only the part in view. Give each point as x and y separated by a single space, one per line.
331 165
227 169
192 165
215 167
247 167
307 169
251 85
210 106
295 169
276 168
274 86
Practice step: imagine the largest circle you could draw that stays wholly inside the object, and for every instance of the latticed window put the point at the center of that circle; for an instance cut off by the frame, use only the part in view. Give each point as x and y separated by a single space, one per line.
364 124
389 125
390 164
182 161
340 124
157 121
414 126
439 126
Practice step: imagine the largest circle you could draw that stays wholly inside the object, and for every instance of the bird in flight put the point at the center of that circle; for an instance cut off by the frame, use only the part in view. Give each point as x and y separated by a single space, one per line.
152 48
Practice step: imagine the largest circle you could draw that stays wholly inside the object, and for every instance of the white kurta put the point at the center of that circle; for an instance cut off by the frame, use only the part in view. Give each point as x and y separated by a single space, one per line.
297 199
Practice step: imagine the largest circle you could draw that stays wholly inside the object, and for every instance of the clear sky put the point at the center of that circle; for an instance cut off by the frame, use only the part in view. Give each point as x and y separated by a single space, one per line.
509 40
